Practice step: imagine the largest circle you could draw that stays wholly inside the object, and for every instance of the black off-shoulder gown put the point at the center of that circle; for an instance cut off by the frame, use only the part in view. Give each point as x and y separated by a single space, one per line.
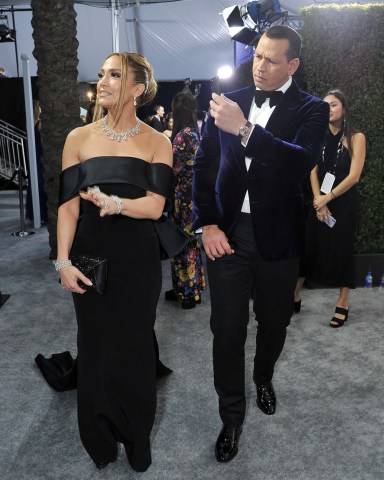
116 354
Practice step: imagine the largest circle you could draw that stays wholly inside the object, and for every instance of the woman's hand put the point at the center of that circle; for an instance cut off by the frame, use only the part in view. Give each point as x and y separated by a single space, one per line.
104 202
321 201
69 277
322 213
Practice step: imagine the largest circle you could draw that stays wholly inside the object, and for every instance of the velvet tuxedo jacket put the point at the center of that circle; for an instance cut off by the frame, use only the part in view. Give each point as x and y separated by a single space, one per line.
283 154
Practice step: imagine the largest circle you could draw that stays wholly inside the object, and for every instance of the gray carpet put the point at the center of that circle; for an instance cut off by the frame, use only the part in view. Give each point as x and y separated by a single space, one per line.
329 422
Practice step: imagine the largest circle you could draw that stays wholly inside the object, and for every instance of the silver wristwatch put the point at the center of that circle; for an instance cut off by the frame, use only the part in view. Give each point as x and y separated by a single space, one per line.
245 129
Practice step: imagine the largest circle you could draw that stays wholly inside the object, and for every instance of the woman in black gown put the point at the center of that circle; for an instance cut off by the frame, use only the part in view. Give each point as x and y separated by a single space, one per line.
330 249
117 172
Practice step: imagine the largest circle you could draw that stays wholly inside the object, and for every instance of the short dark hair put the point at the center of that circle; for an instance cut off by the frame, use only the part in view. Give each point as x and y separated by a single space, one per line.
285 32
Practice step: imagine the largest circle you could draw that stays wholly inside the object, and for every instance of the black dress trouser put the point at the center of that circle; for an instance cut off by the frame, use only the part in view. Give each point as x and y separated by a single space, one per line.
230 281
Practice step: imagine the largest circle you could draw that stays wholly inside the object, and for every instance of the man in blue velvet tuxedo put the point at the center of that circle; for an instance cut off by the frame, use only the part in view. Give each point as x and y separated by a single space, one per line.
256 149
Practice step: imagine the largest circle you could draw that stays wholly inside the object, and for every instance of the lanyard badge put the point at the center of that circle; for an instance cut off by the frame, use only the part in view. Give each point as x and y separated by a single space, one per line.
328 182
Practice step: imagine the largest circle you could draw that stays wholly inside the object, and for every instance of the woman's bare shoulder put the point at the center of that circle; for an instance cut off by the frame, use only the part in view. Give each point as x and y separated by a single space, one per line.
358 136
82 132
158 144
154 137
358 139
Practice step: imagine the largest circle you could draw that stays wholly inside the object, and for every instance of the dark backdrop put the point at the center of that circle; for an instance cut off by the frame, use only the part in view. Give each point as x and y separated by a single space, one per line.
12 109
167 90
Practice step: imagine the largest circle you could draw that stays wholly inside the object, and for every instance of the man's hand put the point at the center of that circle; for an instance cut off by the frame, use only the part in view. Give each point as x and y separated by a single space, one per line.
215 242
227 114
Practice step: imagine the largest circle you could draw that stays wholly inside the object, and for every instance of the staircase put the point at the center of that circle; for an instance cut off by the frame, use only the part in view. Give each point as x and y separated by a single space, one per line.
13 152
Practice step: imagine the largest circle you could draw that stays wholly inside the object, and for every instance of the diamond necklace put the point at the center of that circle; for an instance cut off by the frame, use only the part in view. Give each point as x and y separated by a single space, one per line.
120 135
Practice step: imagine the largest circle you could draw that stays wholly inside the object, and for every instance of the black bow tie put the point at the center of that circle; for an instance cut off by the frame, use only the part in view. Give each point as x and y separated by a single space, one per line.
274 97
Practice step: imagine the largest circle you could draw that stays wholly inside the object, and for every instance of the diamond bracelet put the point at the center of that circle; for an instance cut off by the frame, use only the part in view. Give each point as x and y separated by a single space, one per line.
118 202
60 265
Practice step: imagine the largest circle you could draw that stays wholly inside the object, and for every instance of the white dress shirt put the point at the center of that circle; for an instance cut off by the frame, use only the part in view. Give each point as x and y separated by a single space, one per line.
260 116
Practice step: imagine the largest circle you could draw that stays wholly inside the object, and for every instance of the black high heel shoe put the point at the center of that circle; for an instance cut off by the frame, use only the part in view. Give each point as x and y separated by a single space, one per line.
297 306
188 303
339 322
171 296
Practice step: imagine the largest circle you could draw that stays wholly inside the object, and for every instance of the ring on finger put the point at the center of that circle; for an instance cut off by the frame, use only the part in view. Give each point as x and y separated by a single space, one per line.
105 204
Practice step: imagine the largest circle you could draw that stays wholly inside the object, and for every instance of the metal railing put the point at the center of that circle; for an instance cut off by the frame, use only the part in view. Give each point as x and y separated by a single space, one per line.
13 148
13 164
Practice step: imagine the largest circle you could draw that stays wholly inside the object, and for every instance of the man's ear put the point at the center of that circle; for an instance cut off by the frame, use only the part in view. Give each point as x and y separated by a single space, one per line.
293 66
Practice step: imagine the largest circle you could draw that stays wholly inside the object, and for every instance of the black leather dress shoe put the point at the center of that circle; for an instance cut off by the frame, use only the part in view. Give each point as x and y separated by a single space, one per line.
101 465
266 398
227 443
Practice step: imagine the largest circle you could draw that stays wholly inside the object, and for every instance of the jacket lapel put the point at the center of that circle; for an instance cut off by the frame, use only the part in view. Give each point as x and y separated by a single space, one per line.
286 109
245 102
281 116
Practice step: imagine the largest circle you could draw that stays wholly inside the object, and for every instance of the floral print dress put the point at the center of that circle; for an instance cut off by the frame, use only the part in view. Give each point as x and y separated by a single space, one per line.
187 267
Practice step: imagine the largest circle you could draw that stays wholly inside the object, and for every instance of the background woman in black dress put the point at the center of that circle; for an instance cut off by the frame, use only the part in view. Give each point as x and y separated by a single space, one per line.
330 250
117 171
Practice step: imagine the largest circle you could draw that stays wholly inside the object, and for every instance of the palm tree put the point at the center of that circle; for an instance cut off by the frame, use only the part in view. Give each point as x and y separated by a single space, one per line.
54 34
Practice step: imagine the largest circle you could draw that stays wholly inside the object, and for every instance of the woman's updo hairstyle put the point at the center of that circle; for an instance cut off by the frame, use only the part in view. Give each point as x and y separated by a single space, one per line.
142 73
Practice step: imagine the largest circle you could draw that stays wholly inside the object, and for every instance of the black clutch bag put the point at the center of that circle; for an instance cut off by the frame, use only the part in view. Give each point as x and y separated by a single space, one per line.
94 268
172 238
